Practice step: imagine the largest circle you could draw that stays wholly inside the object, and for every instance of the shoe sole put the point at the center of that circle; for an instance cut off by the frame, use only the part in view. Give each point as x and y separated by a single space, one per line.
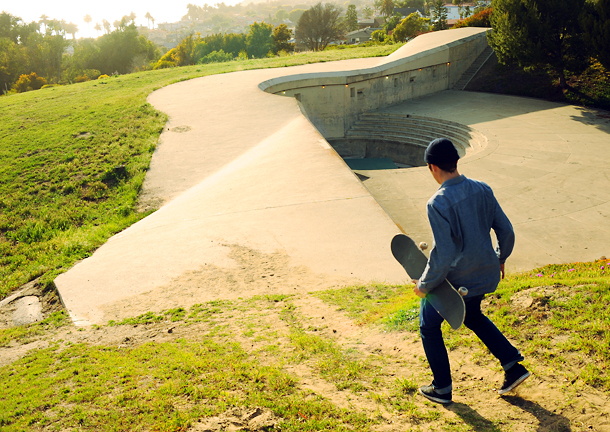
515 384
433 399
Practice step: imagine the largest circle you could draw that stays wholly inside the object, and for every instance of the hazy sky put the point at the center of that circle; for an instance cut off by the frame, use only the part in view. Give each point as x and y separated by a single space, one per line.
111 10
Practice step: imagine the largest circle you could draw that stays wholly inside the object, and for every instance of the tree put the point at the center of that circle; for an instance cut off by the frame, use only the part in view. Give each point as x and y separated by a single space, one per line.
119 49
480 19
410 27
367 13
387 8
44 20
410 4
281 35
106 26
295 15
392 23
595 22
98 28
319 26
148 16
539 34
259 40
281 15
460 5
439 16
87 19
71 29
351 18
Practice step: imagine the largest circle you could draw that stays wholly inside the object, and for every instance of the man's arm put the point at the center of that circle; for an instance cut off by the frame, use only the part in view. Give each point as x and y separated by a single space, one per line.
442 254
504 234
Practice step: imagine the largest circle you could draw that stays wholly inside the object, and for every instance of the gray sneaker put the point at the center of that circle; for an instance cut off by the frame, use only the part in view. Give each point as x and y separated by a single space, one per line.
430 392
513 377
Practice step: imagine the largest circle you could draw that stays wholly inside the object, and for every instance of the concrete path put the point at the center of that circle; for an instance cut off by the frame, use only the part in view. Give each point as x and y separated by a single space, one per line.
546 162
241 167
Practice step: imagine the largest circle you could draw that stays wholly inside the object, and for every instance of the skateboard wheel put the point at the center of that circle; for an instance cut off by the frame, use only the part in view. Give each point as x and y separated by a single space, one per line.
423 245
463 291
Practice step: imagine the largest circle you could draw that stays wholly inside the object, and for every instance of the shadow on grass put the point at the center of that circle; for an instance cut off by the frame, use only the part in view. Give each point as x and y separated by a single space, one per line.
547 421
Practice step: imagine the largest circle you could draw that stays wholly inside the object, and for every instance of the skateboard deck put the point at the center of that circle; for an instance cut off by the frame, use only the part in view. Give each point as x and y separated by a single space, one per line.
444 298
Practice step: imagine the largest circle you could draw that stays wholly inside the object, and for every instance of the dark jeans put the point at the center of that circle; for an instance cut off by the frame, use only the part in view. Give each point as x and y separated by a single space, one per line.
432 338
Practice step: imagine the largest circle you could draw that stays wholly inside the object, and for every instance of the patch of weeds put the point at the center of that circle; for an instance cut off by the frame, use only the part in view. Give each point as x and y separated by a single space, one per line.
23 334
374 303
342 367
159 386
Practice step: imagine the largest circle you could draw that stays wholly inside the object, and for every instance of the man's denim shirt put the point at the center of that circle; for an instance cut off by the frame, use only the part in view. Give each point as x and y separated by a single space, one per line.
462 213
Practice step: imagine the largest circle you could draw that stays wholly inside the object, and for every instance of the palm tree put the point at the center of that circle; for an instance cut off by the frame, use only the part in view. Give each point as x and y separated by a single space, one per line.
97 27
153 21
148 17
106 25
44 20
87 19
72 29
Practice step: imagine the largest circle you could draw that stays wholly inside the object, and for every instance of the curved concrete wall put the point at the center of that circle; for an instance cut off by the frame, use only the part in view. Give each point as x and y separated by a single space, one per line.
430 63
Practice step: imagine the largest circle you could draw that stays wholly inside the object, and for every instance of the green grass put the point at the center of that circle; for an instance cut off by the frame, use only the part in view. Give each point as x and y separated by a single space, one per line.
156 386
73 159
395 306
566 327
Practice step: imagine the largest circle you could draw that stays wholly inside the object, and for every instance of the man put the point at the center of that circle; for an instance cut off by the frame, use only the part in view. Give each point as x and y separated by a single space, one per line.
462 213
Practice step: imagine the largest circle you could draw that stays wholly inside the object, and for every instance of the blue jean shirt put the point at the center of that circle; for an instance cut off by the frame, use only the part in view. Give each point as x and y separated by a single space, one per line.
462 214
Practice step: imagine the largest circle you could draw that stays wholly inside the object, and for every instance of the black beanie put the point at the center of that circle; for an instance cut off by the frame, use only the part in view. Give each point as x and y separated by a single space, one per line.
441 151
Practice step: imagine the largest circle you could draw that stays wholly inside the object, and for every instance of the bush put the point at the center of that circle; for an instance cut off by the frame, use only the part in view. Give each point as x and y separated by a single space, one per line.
480 19
29 82
102 77
216 57
164 64
379 36
82 78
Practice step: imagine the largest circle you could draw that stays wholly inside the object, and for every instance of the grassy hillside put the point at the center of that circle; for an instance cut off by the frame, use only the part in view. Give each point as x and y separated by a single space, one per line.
73 159
297 364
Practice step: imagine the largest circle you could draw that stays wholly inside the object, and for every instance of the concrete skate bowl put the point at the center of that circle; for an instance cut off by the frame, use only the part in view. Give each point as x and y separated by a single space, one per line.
401 139
347 107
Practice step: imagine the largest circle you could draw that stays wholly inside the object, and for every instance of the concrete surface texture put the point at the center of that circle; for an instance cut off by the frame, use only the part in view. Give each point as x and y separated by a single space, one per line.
545 162
240 166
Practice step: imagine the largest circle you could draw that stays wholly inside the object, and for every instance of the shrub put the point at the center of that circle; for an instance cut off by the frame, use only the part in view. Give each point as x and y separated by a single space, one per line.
164 64
102 77
82 78
216 57
480 19
29 82
379 36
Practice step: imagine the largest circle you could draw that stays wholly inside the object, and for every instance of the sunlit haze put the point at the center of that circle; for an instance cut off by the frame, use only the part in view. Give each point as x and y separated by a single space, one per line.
110 10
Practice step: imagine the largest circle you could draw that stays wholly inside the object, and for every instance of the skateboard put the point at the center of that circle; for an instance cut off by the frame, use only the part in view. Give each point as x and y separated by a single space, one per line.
444 298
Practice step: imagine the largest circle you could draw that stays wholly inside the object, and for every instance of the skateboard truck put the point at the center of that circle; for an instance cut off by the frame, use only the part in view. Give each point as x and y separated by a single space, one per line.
462 290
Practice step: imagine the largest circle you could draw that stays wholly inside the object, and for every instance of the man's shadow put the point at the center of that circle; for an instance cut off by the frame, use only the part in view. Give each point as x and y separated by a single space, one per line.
547 420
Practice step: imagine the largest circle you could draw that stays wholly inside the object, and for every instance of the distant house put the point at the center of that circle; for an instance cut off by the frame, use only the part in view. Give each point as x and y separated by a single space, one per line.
370 22
359 36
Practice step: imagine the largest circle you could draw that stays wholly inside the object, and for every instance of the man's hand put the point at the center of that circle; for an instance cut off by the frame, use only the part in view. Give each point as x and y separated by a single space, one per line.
416 290
502 270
